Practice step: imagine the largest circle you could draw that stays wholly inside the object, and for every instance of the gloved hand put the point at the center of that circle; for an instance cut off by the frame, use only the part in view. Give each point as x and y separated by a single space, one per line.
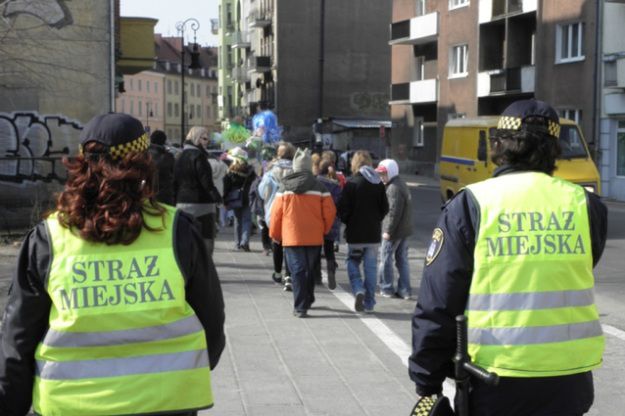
435 405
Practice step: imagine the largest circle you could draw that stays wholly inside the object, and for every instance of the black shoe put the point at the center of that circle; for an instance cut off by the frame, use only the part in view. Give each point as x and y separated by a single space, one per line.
277 277
246 248
300 314
359 304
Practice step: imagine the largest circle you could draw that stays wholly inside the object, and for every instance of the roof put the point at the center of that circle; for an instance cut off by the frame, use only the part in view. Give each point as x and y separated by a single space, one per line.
359 123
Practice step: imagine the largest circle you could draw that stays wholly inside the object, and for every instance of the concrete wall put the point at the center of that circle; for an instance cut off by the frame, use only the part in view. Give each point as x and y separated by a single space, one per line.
54 76
357 61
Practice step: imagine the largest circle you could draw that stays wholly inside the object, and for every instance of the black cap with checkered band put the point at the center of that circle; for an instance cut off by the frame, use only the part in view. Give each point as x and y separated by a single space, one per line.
530 115
119 133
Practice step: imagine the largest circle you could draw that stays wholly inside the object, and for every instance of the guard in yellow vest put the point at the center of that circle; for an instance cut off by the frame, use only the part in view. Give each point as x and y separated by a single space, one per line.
115 309
515 254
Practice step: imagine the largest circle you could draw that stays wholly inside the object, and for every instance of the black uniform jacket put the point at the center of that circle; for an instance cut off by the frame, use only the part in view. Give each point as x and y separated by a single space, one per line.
26 316
443 295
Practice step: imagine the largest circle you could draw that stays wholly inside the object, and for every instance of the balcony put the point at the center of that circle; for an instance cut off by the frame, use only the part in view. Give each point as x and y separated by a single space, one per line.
258 18
490 10
260 64
506 81
614 104
240 40
416 31
240 74
415 92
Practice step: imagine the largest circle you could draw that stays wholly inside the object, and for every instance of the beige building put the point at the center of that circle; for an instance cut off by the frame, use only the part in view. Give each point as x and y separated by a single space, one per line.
144 98
461 58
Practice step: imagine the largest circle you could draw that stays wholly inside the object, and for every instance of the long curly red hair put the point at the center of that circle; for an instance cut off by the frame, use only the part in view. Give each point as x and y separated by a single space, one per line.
105 200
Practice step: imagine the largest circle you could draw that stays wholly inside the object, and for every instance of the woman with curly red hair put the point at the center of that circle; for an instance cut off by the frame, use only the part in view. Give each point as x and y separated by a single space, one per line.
115 307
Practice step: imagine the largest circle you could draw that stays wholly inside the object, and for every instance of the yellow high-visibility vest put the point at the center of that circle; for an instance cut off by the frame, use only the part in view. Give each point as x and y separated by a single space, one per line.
531 310
122 338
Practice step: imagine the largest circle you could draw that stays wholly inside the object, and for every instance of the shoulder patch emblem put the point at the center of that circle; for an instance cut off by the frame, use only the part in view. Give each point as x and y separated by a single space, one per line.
435 246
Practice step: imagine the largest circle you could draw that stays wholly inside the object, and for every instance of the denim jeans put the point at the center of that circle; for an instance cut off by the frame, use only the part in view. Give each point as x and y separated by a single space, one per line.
398 249
368 255
302 261
242 226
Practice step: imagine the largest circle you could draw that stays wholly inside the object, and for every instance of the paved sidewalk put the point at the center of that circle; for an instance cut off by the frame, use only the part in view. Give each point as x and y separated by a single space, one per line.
330 363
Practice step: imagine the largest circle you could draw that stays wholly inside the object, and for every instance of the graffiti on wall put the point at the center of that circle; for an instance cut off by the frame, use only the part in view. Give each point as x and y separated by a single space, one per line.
53 13
369 102
32 146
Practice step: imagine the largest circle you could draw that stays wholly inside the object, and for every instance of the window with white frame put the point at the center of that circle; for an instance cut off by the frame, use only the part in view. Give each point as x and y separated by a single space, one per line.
454 4
570 42
421 10
572 114
620 148
458 57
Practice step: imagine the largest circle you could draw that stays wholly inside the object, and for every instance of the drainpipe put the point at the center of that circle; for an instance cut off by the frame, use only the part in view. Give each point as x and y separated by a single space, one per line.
321 56
598 84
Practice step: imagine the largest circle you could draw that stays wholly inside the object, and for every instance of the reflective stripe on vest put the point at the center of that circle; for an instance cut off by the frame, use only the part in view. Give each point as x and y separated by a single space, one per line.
120 325
531 310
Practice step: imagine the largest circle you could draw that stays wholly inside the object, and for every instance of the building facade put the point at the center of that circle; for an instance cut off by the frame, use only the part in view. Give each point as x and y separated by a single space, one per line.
307 60
461 58
155 96
612 127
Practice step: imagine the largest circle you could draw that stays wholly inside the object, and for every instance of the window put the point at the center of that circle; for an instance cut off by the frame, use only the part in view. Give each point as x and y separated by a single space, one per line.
610 76
620 149
571 114
169 109
176 110
458 61
139 84
140 106
208 90
132 107
155 109
197 90
147 86
155 88
131 82
454 4
192 90
176 87
417 134
570 42
421 7
198 111
123 105
169 86
420 68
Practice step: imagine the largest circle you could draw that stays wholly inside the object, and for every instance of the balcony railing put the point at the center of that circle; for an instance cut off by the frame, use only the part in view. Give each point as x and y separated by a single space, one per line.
240 40
415 92
416 31
260 63
506 81
240 74
502 8
259 18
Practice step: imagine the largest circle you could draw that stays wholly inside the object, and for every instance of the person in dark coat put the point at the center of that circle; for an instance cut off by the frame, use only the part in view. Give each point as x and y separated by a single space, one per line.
362 207
327 176
238 181
164 160
526 291
196 193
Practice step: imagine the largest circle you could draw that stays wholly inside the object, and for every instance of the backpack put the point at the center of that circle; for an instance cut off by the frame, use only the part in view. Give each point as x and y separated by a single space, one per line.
256 203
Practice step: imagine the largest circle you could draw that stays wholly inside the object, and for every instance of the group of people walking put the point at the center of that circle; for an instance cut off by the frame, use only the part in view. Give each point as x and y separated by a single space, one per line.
116 307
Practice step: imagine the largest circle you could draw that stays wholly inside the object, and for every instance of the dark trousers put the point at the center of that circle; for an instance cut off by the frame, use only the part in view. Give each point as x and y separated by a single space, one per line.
328 252
264 235
278 258
302 261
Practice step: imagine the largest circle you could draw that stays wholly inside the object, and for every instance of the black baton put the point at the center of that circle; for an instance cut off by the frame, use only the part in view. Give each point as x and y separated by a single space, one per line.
464 369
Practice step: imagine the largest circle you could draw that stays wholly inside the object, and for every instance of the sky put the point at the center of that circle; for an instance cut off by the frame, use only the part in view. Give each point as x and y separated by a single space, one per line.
169 12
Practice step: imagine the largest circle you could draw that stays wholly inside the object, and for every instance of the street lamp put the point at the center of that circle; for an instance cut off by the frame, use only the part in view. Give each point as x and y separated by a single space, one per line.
195 63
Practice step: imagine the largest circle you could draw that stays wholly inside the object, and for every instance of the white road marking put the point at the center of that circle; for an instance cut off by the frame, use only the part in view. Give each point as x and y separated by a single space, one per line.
403 351
387 336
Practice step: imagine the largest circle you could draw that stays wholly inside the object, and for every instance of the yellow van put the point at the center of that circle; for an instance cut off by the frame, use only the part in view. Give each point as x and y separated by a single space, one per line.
466 149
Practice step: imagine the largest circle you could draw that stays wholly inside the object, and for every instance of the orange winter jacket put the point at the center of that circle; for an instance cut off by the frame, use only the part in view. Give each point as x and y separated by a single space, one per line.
302 212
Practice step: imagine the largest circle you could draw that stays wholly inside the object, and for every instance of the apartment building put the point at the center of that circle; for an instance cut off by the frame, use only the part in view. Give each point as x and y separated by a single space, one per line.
464 58
308 60
612 127
155 96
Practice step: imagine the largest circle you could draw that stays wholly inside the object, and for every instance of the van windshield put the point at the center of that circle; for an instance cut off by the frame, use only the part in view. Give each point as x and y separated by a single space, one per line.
571 143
